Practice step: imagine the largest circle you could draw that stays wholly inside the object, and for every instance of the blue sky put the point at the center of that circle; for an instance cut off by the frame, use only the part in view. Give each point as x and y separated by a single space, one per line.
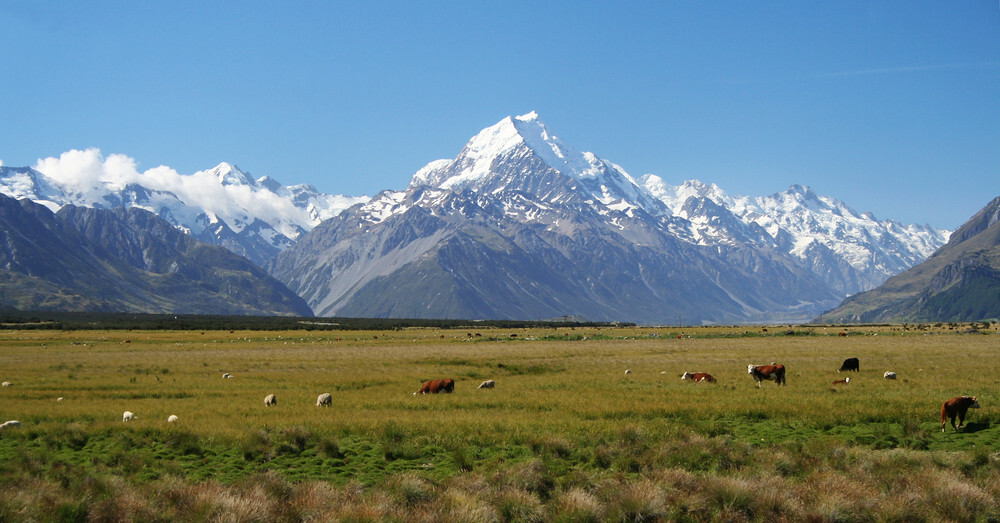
892 107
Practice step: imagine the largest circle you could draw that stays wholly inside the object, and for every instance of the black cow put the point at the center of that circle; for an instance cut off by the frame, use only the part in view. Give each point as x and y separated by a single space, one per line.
849 364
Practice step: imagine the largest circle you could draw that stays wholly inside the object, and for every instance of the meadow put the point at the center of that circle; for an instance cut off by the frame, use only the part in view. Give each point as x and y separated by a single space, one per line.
565 435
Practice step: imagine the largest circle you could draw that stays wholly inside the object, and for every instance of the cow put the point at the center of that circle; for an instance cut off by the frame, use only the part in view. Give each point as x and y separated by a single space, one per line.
698 376
767 372
957 407
889 375
844 381
271 400
435 386
324 400
488 384
850 364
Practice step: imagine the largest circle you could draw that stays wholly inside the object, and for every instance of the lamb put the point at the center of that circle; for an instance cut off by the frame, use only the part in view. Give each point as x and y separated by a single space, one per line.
128 416
889 375
6 384
488 384
270 400
324 400
12 424
172 418
227 375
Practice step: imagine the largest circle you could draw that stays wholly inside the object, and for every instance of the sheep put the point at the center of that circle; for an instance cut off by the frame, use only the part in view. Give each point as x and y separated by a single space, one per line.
270 400
6 384
324 400
172 418
488 384
627 372
59 398
128 416
12 424
227 376
889 375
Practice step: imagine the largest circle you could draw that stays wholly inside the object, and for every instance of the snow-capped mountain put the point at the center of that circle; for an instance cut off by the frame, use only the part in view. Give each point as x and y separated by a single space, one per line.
851 251
521 225
225 206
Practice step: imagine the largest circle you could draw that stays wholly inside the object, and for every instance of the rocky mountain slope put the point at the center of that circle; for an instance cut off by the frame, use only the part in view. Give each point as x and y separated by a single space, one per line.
126 260
521 225
959 282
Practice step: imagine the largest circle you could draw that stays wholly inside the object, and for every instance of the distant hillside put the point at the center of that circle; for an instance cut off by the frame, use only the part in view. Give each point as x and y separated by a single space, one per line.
125 260
959 282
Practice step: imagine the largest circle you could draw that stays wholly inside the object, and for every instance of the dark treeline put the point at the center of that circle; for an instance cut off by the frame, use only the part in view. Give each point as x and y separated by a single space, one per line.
123 320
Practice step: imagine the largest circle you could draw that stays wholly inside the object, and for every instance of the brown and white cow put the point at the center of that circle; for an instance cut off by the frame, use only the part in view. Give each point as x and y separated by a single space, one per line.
698 376
957 407
435 386
767 372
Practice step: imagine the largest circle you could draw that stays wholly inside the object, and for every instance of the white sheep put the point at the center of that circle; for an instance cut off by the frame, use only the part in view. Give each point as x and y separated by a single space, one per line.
227 375
270 400
12 424
172 418
889 375
324 400
128 416
488 384
59 398
6 384
627 372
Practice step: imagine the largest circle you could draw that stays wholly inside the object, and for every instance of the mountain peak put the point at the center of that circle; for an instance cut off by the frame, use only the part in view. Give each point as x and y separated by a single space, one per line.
230 174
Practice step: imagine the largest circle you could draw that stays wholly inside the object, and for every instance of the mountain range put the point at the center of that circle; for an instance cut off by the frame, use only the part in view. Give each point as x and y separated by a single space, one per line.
125 260
255 218
521 225
959 282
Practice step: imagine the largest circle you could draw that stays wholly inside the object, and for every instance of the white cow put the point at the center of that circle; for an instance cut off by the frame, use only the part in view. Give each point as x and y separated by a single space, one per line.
889 375
324 400
270 400
128 416
172 418
12 424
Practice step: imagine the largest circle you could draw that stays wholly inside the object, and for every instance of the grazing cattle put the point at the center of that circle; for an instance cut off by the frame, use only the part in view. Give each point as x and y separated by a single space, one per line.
12 424
227 375
128 416
957 407
767 372
844 381
889 375
698 376
488 384
172 418
324 400
271 400
850 364
435 386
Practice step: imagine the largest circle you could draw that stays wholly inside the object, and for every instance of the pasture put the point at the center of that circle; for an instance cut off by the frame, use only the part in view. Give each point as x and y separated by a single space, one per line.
565 433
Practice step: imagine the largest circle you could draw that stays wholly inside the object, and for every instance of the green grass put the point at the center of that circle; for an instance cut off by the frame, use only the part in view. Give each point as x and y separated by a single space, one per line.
565 432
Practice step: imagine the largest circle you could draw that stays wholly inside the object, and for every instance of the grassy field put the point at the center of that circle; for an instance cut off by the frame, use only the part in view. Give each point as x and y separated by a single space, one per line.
566 434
